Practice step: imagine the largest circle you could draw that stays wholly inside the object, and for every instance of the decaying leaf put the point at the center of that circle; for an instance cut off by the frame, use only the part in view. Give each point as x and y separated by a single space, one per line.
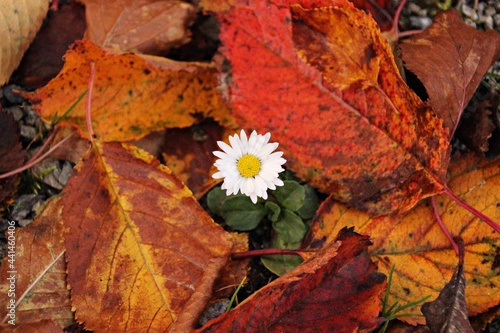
188 153
448 312
40 273
321 295
141 251
423 257
11 157
20 21
324 82
450 84
144 26
131 96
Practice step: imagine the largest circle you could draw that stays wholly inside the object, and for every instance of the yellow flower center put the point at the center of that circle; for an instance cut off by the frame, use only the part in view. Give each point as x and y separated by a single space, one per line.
248 166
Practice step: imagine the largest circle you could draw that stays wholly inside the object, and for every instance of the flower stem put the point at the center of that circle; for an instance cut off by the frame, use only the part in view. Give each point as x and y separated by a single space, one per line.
442 226
472 210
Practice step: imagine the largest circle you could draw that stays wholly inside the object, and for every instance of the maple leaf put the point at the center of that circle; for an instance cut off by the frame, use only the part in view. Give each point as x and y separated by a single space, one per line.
321 295
40 273
145 26
141 251
450 84
132 97
19 25
328 89
424 259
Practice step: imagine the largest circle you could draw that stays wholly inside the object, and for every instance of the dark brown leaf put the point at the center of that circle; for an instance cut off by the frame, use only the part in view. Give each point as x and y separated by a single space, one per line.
11 157
450 84
448 313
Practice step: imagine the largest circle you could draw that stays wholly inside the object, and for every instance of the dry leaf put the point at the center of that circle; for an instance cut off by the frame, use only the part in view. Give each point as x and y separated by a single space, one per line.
448 312
450 84
11 157
144 26
323 81
131 97
19 23
141 251
40 272
423 257
44 326
335 291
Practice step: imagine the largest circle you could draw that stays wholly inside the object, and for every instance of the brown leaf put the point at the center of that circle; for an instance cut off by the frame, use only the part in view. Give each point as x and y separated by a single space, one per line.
44 58
11 157
450 84
141 251
19 25
335 291
323 81
132 97
188 153
44 326
38 259
448 312
144 26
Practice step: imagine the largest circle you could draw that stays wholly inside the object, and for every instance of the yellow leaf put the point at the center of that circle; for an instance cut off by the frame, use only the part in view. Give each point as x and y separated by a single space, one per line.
424 259
141 251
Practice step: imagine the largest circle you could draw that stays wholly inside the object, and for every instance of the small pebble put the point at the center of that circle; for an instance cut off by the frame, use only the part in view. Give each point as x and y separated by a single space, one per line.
28 132
16 112
469 12
23 208
11 96
420 22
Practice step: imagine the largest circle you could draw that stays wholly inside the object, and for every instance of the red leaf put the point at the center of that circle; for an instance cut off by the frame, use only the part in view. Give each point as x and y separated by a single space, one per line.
335 291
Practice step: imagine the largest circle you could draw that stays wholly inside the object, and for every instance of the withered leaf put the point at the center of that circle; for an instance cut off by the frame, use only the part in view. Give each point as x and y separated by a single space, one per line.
448 312
40 272
337 290
11 157
144 26
132 97
450 84
323 81
141 251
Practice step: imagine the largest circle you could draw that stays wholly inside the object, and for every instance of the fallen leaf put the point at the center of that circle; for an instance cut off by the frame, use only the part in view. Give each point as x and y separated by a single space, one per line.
144 26
19 25
448 312
423 257
39 270
323 81
321 295
188 153
43 59
131 97
450 84
11 157
44 326
141 251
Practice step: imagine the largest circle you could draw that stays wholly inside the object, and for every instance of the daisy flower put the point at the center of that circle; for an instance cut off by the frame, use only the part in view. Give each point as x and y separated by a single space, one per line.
249 165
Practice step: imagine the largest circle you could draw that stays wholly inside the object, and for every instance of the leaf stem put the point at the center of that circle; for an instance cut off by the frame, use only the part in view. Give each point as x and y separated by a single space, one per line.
442 226
264 252
88 101
472 210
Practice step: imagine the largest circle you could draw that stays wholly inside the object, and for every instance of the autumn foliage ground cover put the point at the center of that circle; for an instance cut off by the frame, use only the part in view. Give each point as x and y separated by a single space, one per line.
142 239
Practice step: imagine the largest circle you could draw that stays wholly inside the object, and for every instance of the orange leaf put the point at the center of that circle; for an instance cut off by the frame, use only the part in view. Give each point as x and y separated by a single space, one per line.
131 97
40 272
451 84
424 259
146 26
141 251
324 82
321 295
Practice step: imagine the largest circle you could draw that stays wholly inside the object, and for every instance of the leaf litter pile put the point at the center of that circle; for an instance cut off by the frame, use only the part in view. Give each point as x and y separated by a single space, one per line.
384 214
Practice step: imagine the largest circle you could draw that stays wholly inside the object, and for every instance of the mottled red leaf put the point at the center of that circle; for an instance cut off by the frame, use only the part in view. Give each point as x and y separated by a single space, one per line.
450 84
323 81
337 290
